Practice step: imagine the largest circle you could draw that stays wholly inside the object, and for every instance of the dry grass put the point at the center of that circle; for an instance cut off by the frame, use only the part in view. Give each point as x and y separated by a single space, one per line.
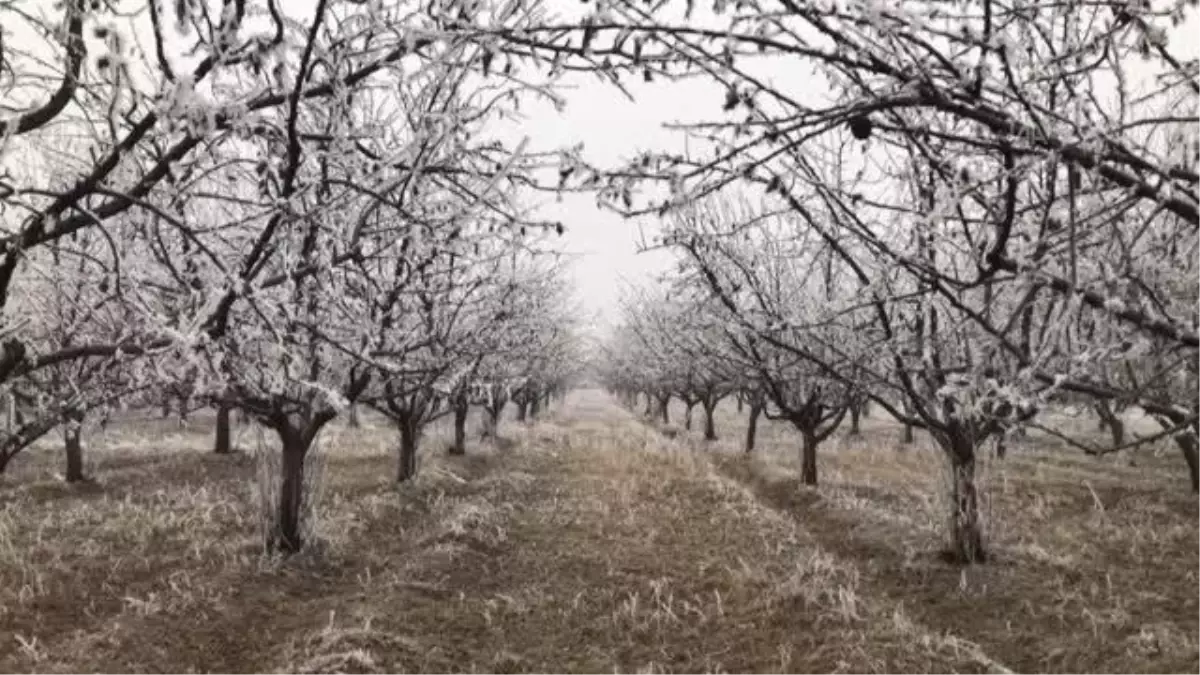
592 543
1095 559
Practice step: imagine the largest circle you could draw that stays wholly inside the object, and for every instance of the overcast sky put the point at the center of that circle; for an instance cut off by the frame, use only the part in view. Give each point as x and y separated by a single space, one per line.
612 129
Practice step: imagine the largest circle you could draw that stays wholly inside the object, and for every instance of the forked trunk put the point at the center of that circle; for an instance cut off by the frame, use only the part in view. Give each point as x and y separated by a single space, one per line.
222 445
752 426
408 451
966 528
73 445
1111 421
461 408
808 459
710 429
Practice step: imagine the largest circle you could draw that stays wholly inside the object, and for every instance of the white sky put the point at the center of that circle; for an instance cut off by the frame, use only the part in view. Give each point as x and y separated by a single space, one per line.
612 129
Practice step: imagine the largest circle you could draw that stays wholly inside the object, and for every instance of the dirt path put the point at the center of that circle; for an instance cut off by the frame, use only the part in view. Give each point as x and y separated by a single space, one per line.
593 545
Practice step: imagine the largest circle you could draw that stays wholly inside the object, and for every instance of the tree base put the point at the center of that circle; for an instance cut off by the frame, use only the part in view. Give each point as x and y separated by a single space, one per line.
953 556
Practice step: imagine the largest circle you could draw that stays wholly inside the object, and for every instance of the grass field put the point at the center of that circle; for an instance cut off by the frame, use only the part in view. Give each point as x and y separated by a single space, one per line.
593 542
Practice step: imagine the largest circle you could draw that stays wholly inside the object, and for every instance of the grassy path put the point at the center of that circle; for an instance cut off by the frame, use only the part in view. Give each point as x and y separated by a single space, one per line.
593 544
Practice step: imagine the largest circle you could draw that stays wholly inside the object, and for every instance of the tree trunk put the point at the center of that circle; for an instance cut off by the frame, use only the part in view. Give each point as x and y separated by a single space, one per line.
166 407
491 426
908 434
287 537
222 445
461 408
687 416
1116 429
73 444
352 419
408 451
710 429
649 406
1110 420
808 459
752 426
535 406
522 411
855 412
1187 445
741 403
967 532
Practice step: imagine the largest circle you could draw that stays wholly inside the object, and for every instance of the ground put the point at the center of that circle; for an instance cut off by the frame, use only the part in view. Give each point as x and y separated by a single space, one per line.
590 541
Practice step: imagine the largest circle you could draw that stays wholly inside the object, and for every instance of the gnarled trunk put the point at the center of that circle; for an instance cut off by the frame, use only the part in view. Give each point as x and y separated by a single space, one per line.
966 529
296 441
752 426
222 444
